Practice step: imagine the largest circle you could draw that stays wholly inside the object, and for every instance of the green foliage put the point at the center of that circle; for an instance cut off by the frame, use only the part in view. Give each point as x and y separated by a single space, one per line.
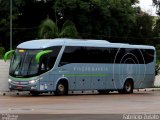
49 29
156 29
113 20
157 69
99 19
68 30
2 51
143 25
158 54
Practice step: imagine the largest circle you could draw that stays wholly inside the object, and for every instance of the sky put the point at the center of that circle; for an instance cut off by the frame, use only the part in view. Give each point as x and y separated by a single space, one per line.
147 6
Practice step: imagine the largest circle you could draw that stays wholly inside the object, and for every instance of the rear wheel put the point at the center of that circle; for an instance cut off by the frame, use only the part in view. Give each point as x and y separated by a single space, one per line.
127 88
62 88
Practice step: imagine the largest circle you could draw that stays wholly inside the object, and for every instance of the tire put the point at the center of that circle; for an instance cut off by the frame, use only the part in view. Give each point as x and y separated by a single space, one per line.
34 93
127 88
61 89
103 91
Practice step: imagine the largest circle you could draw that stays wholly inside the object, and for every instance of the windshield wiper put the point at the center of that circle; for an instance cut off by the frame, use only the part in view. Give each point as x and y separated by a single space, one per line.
18 66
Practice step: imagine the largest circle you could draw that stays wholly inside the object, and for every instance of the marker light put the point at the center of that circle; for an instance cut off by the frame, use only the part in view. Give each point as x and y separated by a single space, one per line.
21 51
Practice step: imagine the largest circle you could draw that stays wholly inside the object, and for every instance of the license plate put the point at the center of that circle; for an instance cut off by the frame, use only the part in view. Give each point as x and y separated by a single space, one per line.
19 87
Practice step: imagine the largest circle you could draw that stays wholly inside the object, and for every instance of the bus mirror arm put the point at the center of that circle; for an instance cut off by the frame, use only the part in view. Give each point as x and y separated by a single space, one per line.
40 54
8 55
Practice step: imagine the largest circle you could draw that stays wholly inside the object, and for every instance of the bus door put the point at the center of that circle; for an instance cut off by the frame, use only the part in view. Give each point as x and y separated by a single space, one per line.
45 65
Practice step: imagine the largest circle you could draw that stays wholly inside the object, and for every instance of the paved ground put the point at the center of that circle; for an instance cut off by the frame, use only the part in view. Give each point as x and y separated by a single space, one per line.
114 103
76 106
84 106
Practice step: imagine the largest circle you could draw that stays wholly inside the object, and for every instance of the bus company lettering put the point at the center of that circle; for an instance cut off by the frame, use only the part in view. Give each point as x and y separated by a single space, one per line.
90 69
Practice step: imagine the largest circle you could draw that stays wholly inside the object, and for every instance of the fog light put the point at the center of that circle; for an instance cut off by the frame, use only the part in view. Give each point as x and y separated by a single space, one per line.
33 87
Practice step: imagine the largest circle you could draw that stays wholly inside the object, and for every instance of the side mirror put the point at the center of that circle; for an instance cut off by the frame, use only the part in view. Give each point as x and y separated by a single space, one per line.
8 55
40 54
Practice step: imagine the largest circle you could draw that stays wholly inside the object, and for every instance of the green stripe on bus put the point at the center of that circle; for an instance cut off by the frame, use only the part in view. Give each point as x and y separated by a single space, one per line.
86 75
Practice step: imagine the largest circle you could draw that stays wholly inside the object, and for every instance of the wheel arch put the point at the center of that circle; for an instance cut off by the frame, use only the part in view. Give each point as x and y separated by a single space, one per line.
62 79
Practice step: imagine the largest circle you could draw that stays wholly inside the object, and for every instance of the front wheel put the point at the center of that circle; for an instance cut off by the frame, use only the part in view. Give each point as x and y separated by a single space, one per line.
34 93
61 89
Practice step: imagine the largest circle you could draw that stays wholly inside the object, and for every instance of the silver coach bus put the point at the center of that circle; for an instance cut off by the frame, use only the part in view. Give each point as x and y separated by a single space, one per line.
62 65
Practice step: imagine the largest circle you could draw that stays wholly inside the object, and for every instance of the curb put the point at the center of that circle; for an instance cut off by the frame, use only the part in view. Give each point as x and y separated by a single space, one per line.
13 93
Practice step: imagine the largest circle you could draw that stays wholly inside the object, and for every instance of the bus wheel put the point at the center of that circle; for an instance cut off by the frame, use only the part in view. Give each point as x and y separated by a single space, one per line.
103 91
34 93
127 88
62 88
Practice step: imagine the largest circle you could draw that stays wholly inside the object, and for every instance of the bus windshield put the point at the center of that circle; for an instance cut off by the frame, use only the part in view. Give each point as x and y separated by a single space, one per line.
23 63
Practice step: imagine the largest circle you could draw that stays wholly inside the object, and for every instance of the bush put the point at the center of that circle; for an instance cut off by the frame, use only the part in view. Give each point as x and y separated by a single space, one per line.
2 51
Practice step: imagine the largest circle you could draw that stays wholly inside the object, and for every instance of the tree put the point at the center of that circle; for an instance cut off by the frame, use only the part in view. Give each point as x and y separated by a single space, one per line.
157 25
114 20
157 4
99 19
5 20
143 27
49 29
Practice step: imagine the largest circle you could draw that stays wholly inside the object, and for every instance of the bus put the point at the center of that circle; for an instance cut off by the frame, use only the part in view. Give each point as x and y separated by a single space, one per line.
61 65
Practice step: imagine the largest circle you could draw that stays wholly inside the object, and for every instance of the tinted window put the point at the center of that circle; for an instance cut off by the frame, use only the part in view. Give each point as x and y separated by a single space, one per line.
134 56
87 55
129 56
148 55
73 54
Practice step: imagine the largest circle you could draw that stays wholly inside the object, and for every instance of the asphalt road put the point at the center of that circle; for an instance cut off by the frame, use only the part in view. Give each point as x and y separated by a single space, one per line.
80 106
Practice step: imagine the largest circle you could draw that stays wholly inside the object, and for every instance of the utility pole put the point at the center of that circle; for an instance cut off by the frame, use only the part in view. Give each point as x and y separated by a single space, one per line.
10 24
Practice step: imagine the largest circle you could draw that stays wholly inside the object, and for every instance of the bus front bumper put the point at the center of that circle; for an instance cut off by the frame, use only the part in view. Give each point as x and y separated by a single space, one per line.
22 86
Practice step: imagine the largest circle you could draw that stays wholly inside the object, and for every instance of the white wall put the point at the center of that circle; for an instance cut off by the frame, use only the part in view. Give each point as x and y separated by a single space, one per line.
157 81
4 68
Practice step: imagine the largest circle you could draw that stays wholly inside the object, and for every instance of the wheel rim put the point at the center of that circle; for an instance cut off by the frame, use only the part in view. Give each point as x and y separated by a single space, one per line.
128 87
61 87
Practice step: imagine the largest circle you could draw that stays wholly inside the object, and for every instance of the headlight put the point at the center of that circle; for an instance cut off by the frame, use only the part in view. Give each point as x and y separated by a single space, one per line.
32 81
9 80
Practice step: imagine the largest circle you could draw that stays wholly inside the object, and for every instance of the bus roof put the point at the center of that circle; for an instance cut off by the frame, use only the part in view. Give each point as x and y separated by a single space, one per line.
45 43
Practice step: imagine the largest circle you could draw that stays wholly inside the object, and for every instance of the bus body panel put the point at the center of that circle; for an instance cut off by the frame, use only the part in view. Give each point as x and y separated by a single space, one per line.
91 76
